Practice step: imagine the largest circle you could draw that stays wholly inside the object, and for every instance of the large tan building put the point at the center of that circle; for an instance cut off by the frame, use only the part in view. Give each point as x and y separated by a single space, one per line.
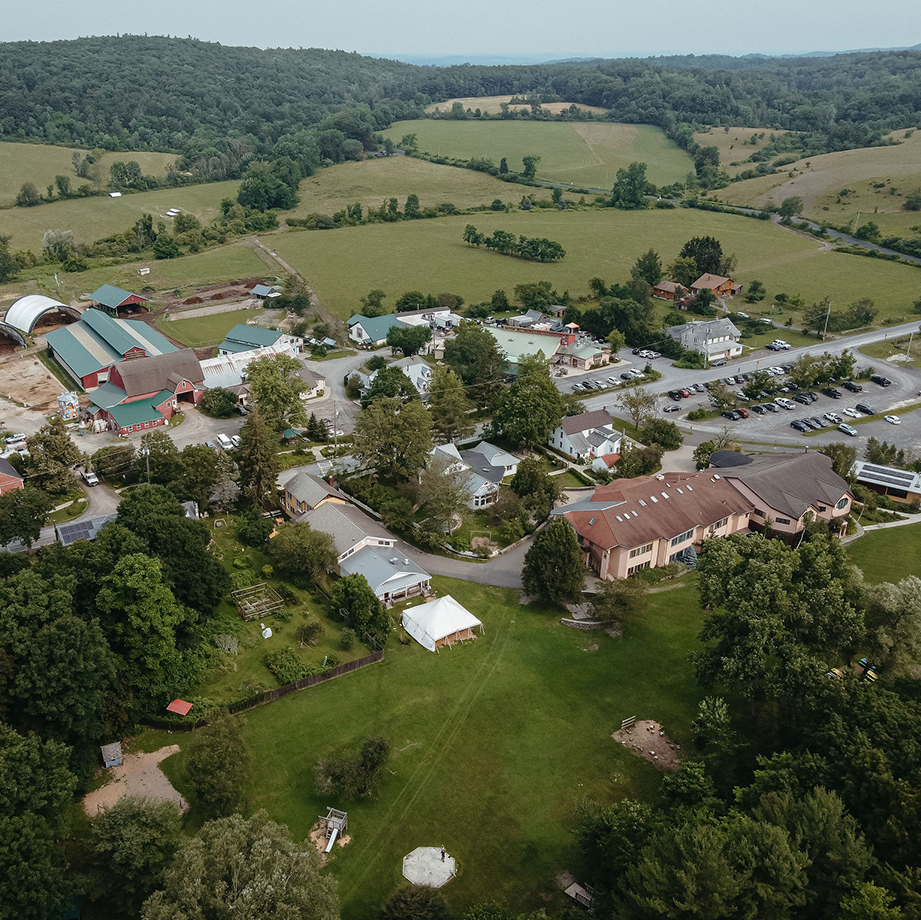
635 524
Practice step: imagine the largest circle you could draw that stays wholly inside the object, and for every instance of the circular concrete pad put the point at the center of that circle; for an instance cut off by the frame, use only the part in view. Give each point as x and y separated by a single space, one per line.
424 867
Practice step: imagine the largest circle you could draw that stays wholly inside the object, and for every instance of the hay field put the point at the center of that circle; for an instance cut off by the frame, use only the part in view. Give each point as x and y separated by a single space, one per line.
373 181
94 218
492 105
585 154
430 256
733 145
819 180
40 163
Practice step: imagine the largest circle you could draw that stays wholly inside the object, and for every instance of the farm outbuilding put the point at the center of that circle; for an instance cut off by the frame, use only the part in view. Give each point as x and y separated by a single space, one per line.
112 754
114 299
440 623
25 313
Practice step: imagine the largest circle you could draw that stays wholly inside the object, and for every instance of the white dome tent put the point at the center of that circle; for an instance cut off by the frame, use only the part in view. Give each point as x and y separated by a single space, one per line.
439 623
24 313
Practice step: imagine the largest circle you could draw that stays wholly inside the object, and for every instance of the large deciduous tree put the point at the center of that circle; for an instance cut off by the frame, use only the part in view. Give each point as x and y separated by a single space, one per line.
51 456
392 438
443 493
219 765
531 407
390 382
408 340
630 186
537 489
22 514
553 566
474 355
706 252
276 387
300 550
245 867
366 613
637 403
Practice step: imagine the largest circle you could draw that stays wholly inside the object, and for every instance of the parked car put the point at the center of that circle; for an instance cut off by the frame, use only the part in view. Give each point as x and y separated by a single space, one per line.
674 394
816 422
742 412
798 425
784 403
697 387
772 347
237 441
732 415
225 442
626 376
832 392
718 364
90 478
833 417
672 408
612 380
852 413
743 315
803 400
771 407
881 381
781 344
776 371
863 407
848 429
853 387
212 445
684 394
893 419
758 410
654 354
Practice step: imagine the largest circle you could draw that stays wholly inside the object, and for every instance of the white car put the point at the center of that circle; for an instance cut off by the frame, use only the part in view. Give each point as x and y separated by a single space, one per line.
780 343
893 419
776 371
848 429
833 417
852 413
743 315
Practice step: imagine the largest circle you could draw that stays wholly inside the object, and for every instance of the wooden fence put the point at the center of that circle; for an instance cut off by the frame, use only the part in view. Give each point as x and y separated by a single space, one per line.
271 695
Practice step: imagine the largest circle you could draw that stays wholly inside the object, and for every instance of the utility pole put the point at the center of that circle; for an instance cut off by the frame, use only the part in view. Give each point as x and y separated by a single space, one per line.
856 221
827 316
908 350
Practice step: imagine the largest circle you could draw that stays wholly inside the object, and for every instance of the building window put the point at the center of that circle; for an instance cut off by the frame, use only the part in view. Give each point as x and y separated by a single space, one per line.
718 524
637 568
758 512
640 551
783 520
841 504
683 537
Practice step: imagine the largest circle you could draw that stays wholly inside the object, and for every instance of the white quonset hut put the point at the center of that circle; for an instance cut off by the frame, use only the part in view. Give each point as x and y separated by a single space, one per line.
439 623
24 313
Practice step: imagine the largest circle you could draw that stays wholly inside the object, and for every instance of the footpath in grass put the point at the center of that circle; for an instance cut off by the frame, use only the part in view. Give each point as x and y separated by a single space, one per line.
494 743
888 555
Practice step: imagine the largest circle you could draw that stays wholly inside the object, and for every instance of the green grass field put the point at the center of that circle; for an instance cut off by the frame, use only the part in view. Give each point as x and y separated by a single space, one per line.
40 163
92 219
819 181
582 153
733 145
882 351
431 256
374 181
234 261
205 330
888 555
494 742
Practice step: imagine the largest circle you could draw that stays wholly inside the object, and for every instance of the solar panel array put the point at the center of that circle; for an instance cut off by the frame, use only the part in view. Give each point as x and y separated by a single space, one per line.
886 475
83 530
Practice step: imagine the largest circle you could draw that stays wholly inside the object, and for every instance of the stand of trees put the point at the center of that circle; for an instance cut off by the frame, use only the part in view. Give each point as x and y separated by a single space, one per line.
533 250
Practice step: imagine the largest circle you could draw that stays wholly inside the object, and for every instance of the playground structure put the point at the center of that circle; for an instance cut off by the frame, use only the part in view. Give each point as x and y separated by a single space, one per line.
334 825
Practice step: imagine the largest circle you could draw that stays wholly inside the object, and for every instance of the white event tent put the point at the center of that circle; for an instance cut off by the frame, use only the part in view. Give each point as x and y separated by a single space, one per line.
439 623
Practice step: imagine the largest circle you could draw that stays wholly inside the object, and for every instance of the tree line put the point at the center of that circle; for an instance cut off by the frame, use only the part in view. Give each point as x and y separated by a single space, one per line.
523 247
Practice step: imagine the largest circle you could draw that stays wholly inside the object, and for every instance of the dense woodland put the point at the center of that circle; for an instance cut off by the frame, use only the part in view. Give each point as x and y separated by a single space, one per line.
219 105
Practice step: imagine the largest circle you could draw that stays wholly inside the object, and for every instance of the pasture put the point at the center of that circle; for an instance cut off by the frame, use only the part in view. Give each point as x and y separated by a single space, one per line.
430 256
586 154
492 105
735 145
494 744
374 181
95 218
877 180
206 330
40 163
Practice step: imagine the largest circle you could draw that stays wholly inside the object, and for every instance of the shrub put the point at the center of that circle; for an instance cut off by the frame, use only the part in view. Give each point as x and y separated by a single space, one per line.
350 777
287 666
348 638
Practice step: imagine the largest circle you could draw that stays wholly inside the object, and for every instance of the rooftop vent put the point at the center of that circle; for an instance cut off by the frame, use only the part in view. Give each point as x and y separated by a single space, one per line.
592 521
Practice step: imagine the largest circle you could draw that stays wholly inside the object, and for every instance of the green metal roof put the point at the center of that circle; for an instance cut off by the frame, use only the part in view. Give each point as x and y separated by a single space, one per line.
139 411
107 395
112 297
376 327
252 336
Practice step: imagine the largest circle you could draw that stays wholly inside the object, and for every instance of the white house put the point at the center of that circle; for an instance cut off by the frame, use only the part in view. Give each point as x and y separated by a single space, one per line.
419 372
717 338
482 482
586 436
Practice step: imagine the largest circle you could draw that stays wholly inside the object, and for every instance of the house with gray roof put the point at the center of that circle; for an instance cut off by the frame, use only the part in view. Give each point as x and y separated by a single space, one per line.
586 436
350 528
481 479
715 338
391 576
304 491
789 491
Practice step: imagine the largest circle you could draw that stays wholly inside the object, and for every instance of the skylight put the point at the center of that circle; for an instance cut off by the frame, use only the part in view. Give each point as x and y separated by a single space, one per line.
653 499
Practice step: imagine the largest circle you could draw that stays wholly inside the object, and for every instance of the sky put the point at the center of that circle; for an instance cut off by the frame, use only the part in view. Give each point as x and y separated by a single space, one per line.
542 29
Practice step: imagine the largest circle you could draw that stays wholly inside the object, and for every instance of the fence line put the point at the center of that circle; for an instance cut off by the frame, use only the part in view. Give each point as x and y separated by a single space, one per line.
271 695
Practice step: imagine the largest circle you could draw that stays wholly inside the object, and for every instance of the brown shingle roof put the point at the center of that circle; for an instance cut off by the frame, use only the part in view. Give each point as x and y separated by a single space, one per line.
708 282
631 512
670 286
149 375
791 483
574 424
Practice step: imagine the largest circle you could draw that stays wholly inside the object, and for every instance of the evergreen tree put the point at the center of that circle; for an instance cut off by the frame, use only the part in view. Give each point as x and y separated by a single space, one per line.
449 406
554 569
258 461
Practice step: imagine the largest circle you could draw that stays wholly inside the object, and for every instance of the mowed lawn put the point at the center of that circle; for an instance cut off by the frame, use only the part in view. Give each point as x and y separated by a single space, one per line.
95 218
205 330
495 742
373 182
888 555
430 256
40 163
582 153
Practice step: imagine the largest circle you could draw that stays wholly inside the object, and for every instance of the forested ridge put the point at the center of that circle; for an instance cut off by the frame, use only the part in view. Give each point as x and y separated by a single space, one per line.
196 98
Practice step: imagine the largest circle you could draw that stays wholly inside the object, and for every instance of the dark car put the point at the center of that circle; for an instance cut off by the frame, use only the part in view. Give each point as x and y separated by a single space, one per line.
672 409
804 400
718 364
816 423
771 407
626 376
798 425
832 392
863 407
732 415
812 397
675 394
882 381
853 387
758 410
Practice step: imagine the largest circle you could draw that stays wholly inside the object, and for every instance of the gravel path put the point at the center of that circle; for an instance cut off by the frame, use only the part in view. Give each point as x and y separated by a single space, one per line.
139 776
